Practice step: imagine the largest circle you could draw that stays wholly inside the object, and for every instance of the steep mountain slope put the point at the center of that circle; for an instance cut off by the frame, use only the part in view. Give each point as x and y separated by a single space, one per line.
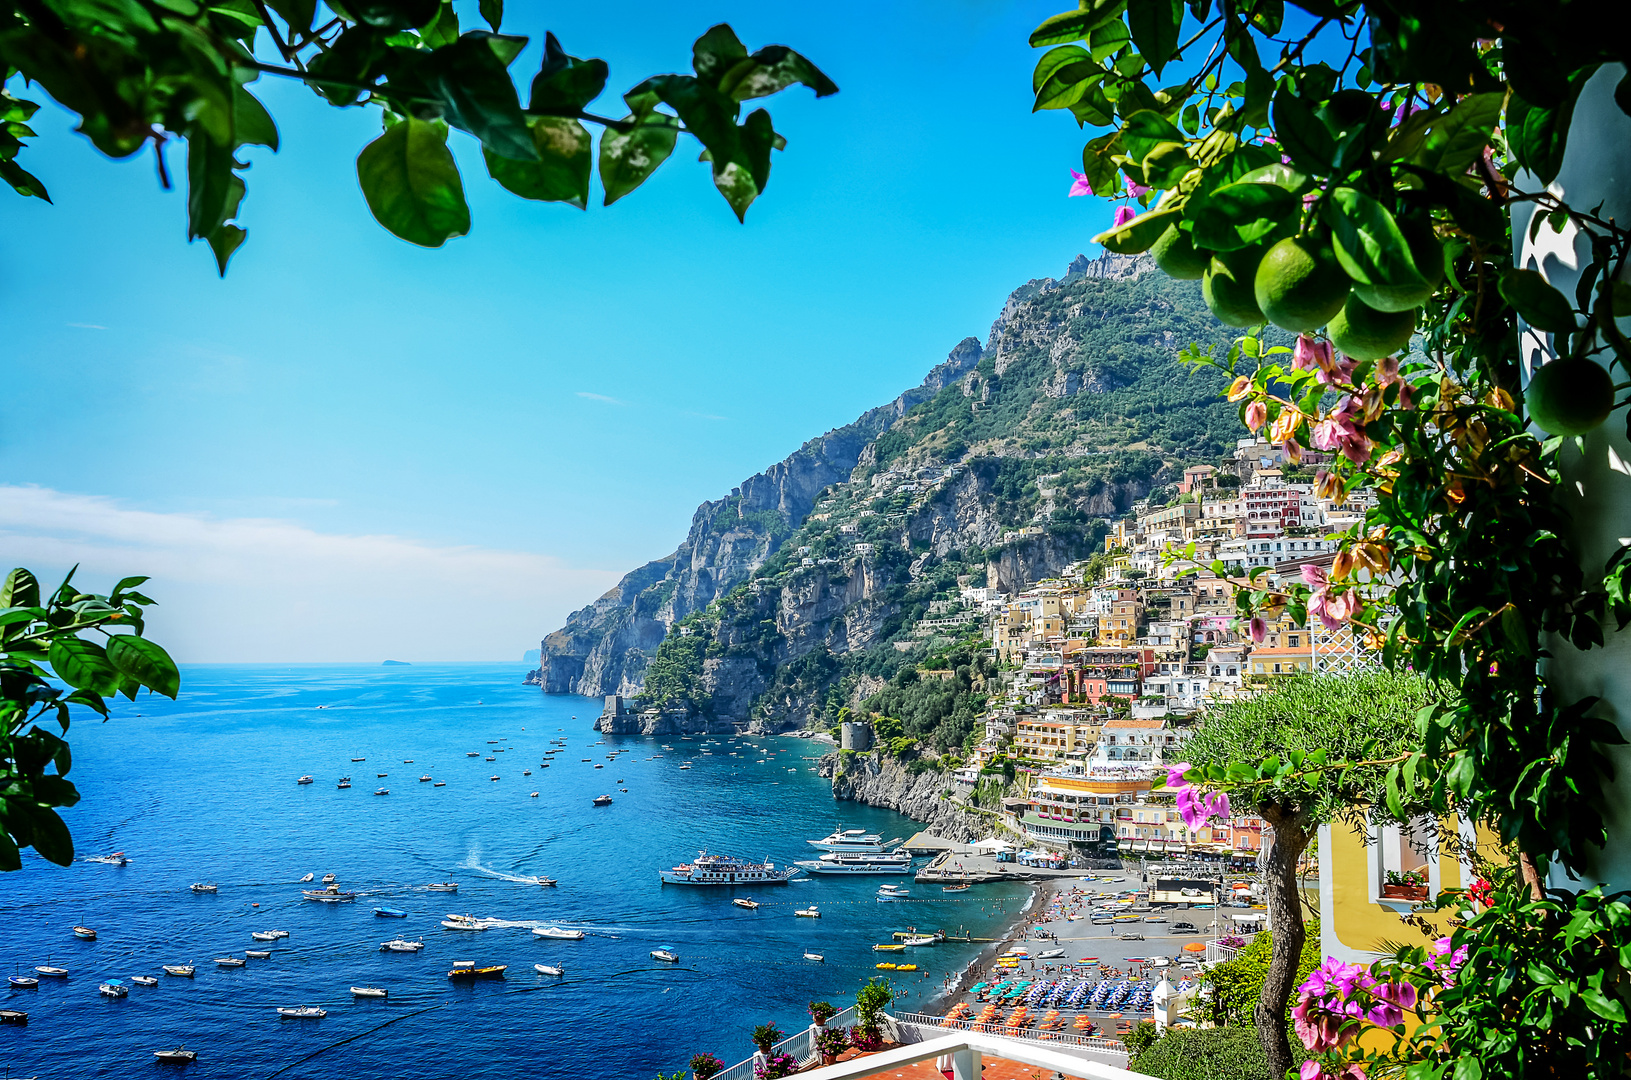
803 590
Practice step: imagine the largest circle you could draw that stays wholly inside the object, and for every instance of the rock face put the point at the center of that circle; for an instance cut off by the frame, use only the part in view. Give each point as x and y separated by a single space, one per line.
877 780
662 723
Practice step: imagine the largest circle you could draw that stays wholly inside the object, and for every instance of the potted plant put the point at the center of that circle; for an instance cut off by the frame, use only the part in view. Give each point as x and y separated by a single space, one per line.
830 1042
706 1066
1405 885
822 1011
766 1036
776 1066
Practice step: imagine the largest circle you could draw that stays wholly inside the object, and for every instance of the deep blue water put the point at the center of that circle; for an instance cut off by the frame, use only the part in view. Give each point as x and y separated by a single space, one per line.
204 788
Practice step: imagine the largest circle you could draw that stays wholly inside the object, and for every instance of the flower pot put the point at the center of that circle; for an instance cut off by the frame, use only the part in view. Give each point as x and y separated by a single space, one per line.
1415 893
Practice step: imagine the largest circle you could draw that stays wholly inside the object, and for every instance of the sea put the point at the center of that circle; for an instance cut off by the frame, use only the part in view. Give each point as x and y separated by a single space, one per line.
203 789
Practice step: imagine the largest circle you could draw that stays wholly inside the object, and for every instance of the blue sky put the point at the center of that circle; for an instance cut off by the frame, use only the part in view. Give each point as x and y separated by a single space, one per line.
353 447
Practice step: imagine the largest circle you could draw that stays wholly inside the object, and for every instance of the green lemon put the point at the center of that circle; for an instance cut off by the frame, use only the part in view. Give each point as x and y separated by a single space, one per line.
1178 257
1363 333
1569 396
1227 290
1428 255
1299 285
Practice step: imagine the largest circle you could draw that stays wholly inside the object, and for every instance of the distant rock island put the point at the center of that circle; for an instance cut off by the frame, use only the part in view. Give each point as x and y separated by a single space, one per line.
396 663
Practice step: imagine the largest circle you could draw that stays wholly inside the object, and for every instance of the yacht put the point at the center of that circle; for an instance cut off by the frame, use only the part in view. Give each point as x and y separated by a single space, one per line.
401 945
463 922
708 869
180 1055
302 1012
849 840
305 780
859 862
666 954
557 932
603 800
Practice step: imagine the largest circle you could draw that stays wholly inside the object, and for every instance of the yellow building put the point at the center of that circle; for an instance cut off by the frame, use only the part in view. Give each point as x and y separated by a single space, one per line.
1049 740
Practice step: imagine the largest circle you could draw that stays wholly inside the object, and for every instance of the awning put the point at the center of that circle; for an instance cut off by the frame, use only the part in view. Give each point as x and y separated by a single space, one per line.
1125 845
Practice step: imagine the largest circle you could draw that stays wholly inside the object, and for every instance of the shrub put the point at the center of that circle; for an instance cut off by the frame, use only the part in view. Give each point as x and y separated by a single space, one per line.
1225 1053
778 1066
767 1035
866 1039
830 1042
704 1066
1141 1038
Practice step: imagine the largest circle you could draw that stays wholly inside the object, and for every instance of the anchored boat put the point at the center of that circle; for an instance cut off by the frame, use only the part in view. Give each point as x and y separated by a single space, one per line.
708 869
467 969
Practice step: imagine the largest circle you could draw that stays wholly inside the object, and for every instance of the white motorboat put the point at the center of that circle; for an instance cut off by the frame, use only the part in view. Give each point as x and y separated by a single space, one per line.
547 880
230 961
114 988
810 912
425 779
144 980
859 862
116 858
557 932
893 891
264 935
548 969
51 972
181 971
443 886
302 1012
329 879
179 1055
463 922
667 955
849 840
204 886
925 939
307 878
281 933
257 954
1047 954
817 957
708 869
306 780
383 791
369 992
401 945
744 902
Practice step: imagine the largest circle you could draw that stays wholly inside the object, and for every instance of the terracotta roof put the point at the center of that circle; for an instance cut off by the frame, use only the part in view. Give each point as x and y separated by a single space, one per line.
1134 723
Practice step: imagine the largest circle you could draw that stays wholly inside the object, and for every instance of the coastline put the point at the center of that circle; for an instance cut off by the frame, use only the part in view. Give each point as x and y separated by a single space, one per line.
1042 893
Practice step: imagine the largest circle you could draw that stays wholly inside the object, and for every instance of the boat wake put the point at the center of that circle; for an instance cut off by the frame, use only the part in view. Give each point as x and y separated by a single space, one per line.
472 861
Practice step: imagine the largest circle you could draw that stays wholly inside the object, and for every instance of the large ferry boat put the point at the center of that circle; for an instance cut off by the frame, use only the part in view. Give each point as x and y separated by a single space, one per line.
859 862
708 869
849 840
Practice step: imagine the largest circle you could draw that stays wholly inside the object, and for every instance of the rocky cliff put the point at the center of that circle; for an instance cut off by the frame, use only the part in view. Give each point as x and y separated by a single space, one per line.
877 780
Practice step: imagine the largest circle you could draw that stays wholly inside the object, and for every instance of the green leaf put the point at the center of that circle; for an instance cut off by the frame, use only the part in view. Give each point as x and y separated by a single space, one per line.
1541 305
472 78
743 179
1154 27
20 589
715 53
22 181
1394 805
1139 234
1053 61
146 662
209 183
1075 25
442 30
251 123
493 12
565 83
1537 135
1102 173
297 13
771 70
1467 1067
1146 129
393 14
83 664
1456 139
224 243
1303 136
561 173
1240 214
627 157
1603 1005
1062 76
412 185
1367 240
51 837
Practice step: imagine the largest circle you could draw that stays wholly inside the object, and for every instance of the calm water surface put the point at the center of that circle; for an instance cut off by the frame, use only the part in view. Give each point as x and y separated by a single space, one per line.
204 789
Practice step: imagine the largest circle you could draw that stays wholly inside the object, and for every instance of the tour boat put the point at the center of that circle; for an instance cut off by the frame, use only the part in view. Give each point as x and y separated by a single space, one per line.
547 880
305 780
117 858
302 1012
603 800
666 954
369 991
257 954
114 988
85 933
547 969
230 961
744 902
179 1055
463 922
817 957
204 886
708 869
23 982
390 913
849 840
443 886
557 932
144 980
809 913
51 972
859 862
182 971
401 945
467 969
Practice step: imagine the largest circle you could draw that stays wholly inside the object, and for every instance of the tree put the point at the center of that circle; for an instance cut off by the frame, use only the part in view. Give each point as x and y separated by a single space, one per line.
40 639
149 71
1363 717
1237 984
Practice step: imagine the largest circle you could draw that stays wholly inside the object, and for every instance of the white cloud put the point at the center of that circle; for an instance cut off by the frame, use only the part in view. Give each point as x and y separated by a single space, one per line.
263 589
600 397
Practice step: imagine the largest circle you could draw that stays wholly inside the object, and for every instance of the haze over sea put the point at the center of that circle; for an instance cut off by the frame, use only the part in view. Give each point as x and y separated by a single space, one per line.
204 789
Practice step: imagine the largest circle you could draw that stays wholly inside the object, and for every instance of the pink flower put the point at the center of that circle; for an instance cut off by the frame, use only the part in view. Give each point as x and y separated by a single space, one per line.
1405 109
1256 413
1332 977
1175 774
1327 484
1135 189
1310 1071
1314 575
1293 451
1124 214
1258 630
1387 370
1318 1028
1332 433
1308 351
1079 186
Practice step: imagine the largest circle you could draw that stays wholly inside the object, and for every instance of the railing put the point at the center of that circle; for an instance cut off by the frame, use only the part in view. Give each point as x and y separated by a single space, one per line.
924 1027
965 1049
797 1046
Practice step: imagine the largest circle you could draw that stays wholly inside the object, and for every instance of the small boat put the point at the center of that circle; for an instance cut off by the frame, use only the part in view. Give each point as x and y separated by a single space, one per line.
463 922
666 954
330 895
116 858
381 776
547 881
114 988
682 766
13 1016
526 772
257 954
889 948
84 933
490 759
281 933
443 886
390 913
603 800
307 878
302 1012
557 932
181 971
305 780
359 759
382 791
927 939
817 957
473 753
492 778
600 766
23 982
144 980
955 888
744 902
467 969
264 935
230 961
547 969
369 992
205 886
1049 954
52 972
180 1055
440 783
345 783
425 779
407 761
534 795
810 912
401 945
